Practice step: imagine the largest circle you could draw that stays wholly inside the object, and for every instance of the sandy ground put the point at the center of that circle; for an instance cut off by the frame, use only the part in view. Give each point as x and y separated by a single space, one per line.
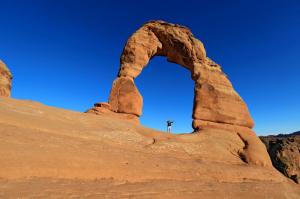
46 152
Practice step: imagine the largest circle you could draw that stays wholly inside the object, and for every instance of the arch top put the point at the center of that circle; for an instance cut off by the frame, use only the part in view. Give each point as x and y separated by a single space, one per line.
159 38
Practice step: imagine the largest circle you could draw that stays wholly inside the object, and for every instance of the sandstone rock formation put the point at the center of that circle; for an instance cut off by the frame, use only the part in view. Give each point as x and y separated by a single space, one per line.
215 99
216 103
5 80
48 152
284 151
105 108
125 97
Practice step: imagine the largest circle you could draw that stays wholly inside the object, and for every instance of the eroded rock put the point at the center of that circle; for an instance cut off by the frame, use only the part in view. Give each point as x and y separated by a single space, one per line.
125 97
215 99
5 80
253 152
284 151
104 108
216 103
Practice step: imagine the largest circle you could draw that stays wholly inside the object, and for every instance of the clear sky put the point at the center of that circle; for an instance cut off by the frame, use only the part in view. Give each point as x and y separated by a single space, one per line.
66 54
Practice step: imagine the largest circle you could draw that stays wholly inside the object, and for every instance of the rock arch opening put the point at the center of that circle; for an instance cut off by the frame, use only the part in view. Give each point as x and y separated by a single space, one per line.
215 100
167 91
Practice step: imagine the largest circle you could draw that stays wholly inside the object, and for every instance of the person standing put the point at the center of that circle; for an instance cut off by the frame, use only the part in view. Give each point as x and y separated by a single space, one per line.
169 125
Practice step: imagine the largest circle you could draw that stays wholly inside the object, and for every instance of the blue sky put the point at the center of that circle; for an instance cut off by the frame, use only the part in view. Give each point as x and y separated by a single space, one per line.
66 54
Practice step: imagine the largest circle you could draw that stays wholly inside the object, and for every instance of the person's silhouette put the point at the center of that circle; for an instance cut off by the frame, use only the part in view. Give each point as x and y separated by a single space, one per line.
169 125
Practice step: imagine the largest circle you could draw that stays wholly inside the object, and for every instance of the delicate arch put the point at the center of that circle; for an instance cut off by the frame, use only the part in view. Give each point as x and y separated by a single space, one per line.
215 100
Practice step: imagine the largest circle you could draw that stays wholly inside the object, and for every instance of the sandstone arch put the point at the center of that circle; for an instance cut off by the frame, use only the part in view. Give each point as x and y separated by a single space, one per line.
216 104
215 100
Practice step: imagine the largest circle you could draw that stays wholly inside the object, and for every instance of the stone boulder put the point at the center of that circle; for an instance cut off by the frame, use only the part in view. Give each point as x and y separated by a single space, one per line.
5 80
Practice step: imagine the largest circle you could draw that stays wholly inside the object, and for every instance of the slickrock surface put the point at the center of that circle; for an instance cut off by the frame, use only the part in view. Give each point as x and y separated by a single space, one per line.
284 151
47 152
5 80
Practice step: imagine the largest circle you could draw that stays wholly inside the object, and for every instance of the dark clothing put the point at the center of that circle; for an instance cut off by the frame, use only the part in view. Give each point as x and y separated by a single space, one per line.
169 123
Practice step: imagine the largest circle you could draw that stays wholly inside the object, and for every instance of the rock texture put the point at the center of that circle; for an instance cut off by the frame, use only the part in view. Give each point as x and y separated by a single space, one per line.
125 97
5 80
215 99
284 151
104 108
216 103
48 152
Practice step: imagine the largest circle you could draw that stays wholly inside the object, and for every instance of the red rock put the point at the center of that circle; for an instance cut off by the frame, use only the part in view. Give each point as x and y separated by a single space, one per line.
5 80
253 152
216 103
215 99
125 97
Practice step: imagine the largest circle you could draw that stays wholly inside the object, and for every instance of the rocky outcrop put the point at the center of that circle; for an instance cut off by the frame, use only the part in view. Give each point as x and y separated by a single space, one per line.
5 80
104 108
49 152
216 103
284 151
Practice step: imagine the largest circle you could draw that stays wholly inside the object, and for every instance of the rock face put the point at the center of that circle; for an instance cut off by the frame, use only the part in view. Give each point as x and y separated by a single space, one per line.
284 151
125 97
215 100
5 80
48 152
216 103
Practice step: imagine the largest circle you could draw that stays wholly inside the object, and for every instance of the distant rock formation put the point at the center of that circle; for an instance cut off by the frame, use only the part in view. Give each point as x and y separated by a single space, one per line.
284 150
288 135
5 80
216 103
